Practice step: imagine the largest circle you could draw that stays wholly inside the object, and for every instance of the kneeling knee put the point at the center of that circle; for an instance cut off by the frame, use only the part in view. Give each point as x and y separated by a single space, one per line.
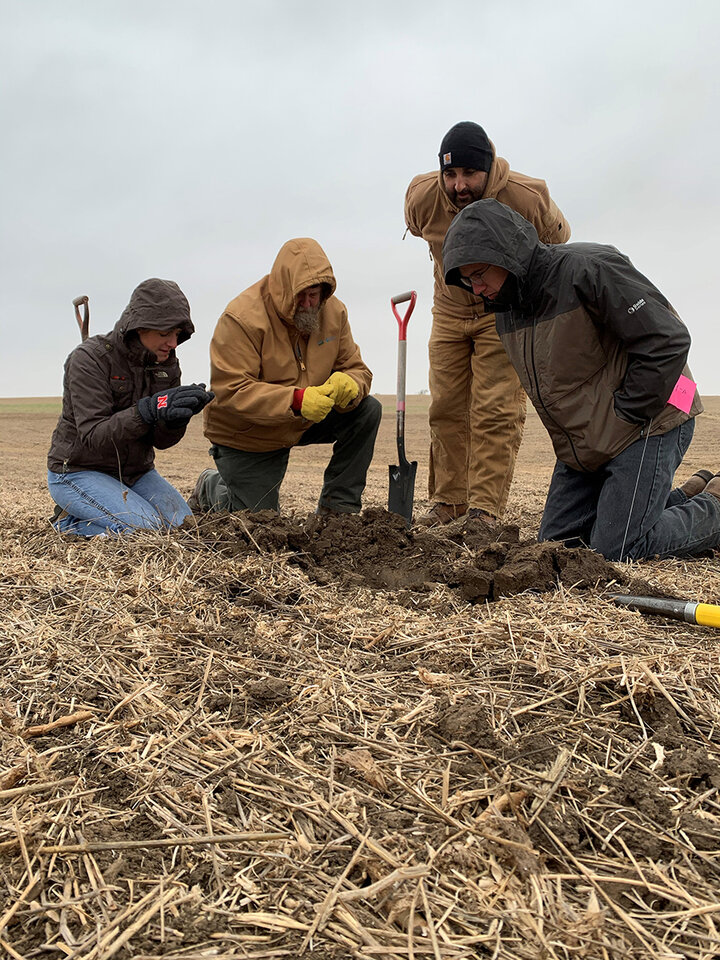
374 409
611 549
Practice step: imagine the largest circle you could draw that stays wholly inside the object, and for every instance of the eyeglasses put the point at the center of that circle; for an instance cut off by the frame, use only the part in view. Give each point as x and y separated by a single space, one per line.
477 277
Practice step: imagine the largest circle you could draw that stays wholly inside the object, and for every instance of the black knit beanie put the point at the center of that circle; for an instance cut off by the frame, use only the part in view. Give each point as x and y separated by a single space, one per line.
466 145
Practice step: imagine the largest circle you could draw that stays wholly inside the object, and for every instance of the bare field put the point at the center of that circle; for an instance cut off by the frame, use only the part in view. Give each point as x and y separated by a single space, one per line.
228 742
26 425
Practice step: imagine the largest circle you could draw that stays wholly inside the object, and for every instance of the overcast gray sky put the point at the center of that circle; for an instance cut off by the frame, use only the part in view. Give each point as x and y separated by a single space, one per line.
188 139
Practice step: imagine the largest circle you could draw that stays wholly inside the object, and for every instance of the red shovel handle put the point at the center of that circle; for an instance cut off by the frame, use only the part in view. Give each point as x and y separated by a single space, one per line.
411 295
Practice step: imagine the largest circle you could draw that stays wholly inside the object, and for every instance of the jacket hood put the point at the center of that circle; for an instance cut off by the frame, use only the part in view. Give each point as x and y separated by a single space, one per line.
487 231
301 263
156 305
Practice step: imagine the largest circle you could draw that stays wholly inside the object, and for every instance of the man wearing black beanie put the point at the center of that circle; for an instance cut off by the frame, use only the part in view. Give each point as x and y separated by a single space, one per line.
477 408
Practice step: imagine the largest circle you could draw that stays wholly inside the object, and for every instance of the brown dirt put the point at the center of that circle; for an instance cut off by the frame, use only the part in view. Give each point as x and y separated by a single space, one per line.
376 549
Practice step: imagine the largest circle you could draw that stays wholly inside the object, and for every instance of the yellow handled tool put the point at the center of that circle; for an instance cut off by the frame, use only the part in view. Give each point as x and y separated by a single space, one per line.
704 614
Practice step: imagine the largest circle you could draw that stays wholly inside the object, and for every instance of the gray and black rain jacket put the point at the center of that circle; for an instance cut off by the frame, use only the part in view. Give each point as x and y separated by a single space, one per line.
595 344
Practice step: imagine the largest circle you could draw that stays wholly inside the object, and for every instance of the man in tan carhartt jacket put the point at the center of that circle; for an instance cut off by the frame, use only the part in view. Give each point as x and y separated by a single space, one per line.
477 410
286 372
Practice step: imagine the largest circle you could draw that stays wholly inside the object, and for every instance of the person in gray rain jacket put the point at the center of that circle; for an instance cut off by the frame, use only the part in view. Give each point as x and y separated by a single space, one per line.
602 355
122 398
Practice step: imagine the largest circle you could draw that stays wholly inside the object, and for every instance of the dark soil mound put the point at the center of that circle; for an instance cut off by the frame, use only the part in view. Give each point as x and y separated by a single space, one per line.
375 548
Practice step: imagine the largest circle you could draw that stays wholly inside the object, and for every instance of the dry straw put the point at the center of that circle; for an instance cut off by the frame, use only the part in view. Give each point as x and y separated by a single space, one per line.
205 752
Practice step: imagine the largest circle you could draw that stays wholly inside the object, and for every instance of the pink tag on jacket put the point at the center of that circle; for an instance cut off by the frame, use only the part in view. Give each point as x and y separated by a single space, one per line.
683 394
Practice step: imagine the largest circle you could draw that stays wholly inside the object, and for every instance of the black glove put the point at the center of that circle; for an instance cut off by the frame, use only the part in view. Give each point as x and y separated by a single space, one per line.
175 406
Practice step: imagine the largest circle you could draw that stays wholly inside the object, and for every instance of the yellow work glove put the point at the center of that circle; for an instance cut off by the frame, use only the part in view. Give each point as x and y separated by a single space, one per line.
317 402
344 387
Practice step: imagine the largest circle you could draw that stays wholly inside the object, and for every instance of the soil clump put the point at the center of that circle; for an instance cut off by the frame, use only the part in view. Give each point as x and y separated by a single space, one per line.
375 548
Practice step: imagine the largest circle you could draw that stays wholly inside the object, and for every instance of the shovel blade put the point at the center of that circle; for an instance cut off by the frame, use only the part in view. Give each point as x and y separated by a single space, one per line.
401 491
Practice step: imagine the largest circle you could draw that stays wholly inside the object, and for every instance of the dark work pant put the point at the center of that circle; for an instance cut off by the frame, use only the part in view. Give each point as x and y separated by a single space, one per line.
628 509
250 480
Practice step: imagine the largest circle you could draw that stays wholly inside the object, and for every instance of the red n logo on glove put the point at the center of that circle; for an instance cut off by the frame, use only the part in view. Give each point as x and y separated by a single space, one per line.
162 401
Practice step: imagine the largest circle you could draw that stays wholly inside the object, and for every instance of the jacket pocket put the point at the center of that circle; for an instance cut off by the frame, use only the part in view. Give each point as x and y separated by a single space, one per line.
590 432
121 391
566 355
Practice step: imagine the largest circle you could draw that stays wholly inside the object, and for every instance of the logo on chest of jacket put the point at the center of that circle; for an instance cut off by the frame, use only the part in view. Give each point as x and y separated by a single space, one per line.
636 306
326 340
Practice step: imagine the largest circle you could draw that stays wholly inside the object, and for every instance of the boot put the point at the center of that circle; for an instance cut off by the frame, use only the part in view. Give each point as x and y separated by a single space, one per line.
441 513
58 514
197 501
697 483
477 513
713 486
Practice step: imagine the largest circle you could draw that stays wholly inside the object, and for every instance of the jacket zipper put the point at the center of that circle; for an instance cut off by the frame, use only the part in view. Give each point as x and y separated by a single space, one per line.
298 354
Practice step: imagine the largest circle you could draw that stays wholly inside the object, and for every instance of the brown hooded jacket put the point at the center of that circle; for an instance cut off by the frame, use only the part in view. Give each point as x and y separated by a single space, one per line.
258 358
100 427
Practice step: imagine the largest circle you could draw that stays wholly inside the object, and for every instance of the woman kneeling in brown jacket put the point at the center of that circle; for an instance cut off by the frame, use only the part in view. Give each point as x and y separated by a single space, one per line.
121 399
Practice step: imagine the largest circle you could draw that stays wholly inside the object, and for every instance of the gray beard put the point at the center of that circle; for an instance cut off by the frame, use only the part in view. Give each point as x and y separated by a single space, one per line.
307 321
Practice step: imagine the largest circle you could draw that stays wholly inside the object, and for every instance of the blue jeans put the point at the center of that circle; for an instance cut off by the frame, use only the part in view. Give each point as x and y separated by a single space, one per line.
628 509
98 504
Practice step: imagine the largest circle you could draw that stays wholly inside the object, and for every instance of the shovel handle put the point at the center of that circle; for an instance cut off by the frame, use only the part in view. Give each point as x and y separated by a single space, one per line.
84 320
411 295
402 297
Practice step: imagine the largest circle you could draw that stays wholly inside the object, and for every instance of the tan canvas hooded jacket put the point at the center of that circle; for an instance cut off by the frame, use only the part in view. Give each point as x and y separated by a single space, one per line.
258 359
429 213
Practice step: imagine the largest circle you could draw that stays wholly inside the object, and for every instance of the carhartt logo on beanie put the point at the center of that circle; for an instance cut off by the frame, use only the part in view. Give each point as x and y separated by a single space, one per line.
466 145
